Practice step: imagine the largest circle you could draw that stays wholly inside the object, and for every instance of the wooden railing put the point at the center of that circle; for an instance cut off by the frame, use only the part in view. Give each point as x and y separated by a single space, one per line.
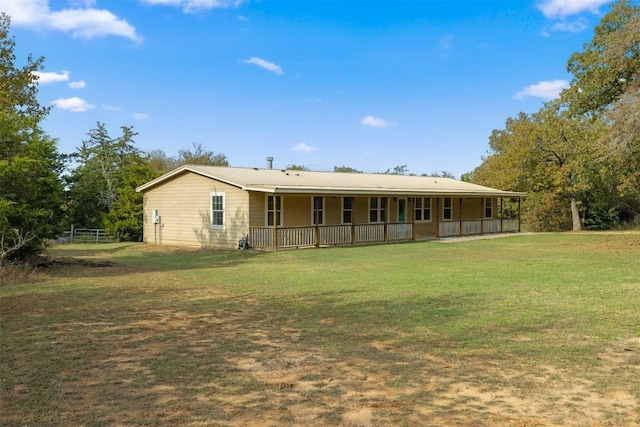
478 226
325 235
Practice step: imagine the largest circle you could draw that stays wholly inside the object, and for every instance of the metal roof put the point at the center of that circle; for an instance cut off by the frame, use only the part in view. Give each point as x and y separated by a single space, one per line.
304 182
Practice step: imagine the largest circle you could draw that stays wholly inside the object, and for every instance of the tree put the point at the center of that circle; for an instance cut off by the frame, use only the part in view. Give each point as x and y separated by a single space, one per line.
294 167
345 169
443 174
552 155
160 163
94 185
18 86
398 170
124 219
31 191
201 156
609 66
607 80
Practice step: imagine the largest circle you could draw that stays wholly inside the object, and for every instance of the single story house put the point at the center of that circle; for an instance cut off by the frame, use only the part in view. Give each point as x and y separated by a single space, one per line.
216 207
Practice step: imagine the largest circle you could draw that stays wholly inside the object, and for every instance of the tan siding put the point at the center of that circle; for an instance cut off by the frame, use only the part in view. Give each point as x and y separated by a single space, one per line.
184 206
472 208
297 211
361 210
333 210
258 209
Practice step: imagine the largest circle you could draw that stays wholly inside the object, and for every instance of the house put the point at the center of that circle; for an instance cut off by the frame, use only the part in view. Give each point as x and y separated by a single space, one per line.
215 207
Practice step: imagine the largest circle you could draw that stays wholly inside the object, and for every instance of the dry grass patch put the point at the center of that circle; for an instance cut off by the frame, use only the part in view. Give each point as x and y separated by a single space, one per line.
205 338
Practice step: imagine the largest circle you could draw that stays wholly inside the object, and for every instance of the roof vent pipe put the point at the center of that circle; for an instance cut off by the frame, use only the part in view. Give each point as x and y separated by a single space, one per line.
269 162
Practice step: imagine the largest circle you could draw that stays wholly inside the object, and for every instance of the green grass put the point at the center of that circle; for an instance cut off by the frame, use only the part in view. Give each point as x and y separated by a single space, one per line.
539 329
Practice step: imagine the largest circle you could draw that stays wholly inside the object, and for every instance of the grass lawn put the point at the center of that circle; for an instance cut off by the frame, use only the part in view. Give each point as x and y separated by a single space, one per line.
526 330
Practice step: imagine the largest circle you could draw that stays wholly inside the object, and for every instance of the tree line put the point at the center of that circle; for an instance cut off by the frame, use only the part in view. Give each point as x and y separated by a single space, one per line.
578 157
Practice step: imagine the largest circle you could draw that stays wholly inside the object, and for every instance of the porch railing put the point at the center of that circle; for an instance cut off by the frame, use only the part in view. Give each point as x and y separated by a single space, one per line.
477 226
324 235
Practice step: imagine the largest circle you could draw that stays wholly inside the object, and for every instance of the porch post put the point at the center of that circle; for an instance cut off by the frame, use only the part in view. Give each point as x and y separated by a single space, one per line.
501 215
437 217
387 210
275 236
519 199
482 214
460 214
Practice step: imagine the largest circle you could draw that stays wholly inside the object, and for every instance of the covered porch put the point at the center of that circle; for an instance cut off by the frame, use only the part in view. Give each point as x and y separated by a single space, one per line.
352 220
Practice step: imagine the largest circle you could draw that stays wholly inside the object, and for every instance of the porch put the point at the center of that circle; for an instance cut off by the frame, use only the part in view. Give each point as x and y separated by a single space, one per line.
350 234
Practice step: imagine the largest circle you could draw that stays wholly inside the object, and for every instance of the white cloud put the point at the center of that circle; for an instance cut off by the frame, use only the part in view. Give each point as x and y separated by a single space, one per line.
303 147
140 116
81 21
264 64
546 90
109 108
75 104
191 6
375 122
80 84
51 77
562 8
570 27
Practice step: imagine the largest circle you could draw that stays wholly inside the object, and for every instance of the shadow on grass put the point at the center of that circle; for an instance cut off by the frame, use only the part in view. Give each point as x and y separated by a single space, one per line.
124 259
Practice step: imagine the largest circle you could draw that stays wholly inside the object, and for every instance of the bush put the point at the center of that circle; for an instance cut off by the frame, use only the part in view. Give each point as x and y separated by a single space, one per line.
16 273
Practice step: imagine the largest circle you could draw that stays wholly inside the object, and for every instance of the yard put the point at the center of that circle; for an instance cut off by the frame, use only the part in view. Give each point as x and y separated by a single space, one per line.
526 330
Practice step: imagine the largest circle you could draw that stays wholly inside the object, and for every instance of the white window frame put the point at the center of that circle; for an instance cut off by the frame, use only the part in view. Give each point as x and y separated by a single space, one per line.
446 208
379 210
321 210
488 207
423 208
275 211
344 209
211 210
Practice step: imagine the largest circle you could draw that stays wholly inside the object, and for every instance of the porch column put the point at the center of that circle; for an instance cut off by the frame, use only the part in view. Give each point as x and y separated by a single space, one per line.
519 199
501 215
460 214
275 237
437 217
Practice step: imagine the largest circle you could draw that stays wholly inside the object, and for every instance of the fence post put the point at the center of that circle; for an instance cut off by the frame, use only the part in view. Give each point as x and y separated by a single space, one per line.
72 233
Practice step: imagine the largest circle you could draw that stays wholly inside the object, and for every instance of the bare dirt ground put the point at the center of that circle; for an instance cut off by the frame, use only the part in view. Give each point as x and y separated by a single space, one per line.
241 367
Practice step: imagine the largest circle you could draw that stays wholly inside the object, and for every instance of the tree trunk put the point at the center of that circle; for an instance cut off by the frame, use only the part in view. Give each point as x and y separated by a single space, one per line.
575 215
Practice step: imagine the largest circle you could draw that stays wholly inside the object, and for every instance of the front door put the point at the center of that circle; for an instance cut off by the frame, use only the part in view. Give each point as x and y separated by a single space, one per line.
402 210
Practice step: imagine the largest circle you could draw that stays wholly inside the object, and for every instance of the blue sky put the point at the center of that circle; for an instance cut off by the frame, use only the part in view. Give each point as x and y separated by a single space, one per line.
366 84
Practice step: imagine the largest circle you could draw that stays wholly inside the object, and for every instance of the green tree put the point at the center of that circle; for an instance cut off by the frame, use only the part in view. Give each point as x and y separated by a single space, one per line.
609 66
159 162
398 170
607 80
31 191
94 185
345 169
124 219
294 167
552 155
19 86
201 156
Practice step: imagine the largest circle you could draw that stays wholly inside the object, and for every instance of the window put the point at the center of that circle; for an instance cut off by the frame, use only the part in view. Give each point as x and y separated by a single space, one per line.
318 211
488 208
447 210
377 209
274 211
423 209
347 210
217 210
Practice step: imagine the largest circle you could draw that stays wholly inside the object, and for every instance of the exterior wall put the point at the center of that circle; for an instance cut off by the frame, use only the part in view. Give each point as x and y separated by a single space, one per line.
184 207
